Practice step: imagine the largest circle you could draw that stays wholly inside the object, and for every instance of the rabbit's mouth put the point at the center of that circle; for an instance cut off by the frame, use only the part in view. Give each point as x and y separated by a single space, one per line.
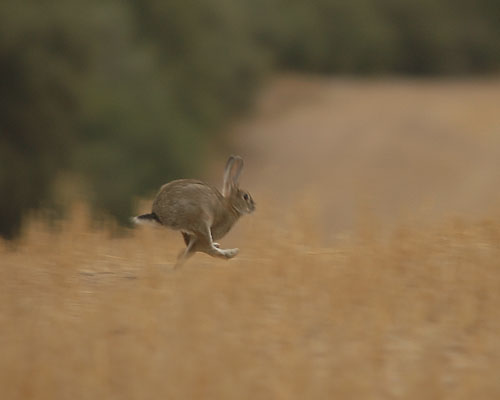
248 209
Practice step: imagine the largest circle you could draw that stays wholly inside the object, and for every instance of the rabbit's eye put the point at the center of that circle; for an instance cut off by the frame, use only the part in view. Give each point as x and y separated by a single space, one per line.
245 196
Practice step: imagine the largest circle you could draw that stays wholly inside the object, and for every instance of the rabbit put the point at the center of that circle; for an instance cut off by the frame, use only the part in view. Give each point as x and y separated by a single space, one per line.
200 212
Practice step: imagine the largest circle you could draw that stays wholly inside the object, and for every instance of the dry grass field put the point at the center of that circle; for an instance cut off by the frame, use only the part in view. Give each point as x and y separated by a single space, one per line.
392 305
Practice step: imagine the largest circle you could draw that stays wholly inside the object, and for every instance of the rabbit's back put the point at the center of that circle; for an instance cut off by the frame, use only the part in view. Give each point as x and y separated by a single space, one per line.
184 204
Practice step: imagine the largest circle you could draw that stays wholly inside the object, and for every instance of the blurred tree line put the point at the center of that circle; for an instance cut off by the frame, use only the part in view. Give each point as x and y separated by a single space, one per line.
128 95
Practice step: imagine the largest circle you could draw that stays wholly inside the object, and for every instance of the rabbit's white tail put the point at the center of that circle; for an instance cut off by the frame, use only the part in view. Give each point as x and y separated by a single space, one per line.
146 219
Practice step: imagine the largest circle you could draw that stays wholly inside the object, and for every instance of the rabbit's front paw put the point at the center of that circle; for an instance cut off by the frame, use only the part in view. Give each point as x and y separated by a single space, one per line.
230 253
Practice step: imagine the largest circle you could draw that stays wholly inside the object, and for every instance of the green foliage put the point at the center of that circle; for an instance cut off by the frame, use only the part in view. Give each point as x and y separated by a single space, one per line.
444 37
130 94
373 36
40 58
158 92
326 36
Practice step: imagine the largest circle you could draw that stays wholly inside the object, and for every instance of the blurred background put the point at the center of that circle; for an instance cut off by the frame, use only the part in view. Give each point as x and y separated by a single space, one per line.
107 100
358 121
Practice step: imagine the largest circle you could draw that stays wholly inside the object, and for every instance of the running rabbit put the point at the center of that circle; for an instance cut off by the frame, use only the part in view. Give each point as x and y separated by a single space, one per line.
201 212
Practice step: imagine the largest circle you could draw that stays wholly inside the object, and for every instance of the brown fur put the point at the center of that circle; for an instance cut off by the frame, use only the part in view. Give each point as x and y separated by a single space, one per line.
201 212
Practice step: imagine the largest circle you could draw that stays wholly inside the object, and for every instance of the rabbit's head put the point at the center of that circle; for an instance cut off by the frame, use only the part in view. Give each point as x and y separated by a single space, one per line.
238 198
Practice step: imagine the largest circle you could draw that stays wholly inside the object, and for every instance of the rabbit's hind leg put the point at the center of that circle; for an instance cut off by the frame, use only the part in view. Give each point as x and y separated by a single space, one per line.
187 237
190 241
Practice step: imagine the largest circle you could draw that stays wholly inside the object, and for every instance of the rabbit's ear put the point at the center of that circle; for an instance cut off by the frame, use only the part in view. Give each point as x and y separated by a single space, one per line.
232 172
238 162
226 184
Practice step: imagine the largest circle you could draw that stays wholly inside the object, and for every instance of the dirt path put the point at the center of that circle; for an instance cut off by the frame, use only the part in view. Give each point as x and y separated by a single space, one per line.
400 148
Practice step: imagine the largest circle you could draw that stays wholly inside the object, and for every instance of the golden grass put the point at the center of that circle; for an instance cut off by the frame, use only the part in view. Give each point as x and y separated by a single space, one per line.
84 315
